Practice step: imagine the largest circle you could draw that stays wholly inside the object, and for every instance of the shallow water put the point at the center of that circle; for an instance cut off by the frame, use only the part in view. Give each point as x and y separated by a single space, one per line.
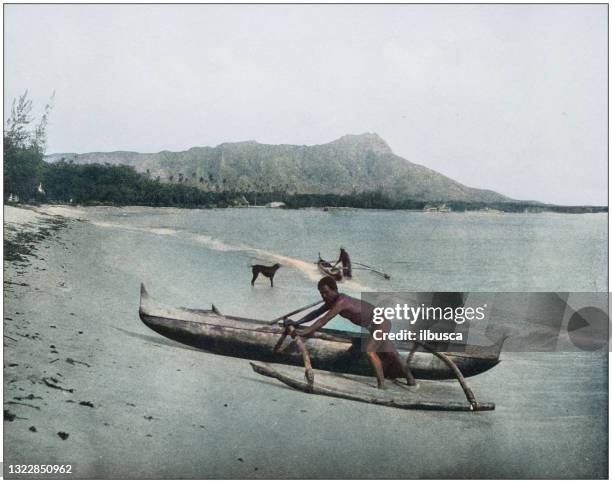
197 257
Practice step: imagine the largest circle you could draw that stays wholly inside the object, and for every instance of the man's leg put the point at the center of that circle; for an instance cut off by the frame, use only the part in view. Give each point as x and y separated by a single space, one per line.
255 273
371 349
378 369
389 351
397 360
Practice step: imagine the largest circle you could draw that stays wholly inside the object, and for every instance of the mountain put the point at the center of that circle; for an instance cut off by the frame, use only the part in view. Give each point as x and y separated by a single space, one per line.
352 163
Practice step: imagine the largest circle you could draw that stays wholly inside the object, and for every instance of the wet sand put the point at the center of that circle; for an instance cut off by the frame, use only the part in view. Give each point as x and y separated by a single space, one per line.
131 404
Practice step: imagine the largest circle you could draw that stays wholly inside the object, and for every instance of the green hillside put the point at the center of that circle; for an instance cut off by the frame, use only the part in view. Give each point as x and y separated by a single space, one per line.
353 163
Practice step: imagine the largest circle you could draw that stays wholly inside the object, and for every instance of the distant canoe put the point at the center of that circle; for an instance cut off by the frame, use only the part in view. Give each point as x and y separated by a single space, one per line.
327 268
330 350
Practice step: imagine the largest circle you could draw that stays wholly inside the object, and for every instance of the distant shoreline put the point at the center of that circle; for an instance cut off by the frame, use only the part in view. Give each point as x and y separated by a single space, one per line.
120 185
430 208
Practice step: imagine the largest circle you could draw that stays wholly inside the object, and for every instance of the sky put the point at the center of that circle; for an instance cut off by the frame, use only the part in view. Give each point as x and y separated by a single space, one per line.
506 97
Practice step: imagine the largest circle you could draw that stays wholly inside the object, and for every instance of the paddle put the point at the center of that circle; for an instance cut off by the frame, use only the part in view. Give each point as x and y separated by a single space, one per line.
373 269
278 319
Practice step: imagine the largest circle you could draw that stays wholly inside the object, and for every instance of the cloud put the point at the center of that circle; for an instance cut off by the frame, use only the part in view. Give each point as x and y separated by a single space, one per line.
474 91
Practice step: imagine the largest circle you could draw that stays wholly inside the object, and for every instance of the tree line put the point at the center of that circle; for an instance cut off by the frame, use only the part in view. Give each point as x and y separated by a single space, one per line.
65 182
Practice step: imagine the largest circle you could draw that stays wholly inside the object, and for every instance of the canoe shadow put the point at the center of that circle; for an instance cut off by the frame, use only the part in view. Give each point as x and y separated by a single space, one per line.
157 340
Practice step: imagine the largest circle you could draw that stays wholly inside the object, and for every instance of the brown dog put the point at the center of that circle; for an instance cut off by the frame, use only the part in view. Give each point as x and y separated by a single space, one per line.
265 271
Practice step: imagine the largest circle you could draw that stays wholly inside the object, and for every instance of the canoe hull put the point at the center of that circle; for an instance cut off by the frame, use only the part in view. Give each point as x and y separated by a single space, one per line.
326 268
255 340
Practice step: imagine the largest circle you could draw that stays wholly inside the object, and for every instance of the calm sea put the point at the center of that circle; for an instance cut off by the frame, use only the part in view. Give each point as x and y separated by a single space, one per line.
197 257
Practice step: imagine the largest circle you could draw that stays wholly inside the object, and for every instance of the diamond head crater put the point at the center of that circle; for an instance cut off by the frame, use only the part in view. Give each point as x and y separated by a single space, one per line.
359 171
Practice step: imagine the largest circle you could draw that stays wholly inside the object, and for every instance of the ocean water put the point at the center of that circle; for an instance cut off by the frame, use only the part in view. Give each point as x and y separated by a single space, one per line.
199 257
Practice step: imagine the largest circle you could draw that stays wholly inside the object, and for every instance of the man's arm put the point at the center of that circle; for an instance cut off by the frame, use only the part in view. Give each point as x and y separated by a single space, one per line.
331 313
311 315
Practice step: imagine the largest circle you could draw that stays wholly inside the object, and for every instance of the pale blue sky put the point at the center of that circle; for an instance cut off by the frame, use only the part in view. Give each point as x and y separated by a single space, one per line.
507 97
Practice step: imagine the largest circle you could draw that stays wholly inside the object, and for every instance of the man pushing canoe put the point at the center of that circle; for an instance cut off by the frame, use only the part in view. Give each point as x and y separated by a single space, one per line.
361 314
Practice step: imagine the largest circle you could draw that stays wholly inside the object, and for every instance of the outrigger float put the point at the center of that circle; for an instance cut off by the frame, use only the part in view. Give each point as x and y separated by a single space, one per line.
335 354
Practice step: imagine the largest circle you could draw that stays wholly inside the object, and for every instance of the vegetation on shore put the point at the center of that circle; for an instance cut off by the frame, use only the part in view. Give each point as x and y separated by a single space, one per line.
29 178
122 185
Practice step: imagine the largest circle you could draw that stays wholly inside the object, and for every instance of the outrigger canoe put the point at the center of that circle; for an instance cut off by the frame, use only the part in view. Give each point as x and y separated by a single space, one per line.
330 350
327 268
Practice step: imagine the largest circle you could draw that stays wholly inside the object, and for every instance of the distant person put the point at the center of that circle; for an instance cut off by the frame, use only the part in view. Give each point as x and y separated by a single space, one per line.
344 258
359 313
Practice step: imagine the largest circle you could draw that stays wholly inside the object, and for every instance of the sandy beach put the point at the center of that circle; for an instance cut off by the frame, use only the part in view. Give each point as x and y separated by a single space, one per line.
87 384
